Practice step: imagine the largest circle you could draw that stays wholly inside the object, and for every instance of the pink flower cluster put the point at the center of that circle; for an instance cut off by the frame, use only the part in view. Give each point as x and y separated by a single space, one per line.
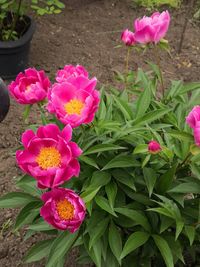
147 29
193 120
73 98
49 155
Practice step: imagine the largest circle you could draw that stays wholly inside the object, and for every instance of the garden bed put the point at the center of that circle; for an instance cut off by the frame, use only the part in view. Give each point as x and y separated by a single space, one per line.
85 33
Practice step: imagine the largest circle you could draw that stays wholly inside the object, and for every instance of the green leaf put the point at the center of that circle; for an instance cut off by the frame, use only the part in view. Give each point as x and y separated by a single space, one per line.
60 247
88 161
165 223
136 216
180 135
124 178
97 231
97 251
40 225
189 187
146 160
190 232
121 161
101 114
61 262
102 202
99 179
88 195
60 4
141 148
190 87
162 211
142 78
151 116
28 185
150 178
38 251
143 102
164 250
16 200
175 89
124 108
101 148
115 241
111 191
177 248
27 214
166 179
179 228
134 241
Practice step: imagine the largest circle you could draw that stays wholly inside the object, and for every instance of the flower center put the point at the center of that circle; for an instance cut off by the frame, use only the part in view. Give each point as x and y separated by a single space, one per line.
28 88
65 209
48 157
74 106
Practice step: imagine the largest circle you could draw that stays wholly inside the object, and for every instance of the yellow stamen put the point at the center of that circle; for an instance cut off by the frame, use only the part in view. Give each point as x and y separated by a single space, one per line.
65 209
74 106
48 157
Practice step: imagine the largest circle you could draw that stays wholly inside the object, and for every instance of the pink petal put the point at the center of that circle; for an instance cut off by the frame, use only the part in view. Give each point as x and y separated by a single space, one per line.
27 137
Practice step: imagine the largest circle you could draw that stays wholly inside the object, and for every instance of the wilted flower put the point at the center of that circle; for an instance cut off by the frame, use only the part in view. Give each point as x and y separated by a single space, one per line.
30 87
63 209
154 147
49 155
128 37
70 71
193 117
74 102
152 29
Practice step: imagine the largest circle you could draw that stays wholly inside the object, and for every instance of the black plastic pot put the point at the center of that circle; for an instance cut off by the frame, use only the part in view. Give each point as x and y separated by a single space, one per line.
14 55
4 100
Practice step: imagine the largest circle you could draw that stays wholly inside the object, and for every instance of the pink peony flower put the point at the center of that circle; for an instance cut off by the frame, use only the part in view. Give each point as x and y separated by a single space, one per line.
30 87
197 133
193 117
63 209
128 37
152 29
70 71
74 102
49 155
154 147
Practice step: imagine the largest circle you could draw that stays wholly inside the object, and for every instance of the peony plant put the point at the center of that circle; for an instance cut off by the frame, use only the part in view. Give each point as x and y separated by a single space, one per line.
136 157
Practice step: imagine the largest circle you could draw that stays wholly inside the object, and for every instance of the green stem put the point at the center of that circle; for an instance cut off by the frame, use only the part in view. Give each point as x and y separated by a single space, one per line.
15 19
156 54
43 117
127 66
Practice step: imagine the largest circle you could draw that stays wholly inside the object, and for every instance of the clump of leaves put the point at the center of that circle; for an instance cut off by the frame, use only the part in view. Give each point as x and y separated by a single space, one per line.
13 22
141 208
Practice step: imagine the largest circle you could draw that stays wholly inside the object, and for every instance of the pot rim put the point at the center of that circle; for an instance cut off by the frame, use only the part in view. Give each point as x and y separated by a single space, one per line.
22 40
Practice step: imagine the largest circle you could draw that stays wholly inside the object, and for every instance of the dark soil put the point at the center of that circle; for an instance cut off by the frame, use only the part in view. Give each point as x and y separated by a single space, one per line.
85 33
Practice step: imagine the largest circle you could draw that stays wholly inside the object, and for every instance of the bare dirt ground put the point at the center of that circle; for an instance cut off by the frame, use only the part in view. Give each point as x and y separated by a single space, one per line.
85 33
